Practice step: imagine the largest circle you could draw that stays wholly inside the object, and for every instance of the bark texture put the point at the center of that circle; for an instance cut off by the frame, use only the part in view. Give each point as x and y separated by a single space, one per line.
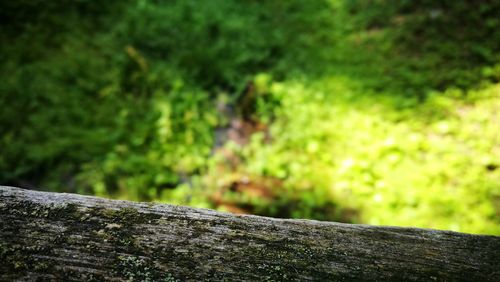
63 237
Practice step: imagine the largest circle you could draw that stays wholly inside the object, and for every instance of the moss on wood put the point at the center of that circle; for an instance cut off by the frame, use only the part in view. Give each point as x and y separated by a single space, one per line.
69 237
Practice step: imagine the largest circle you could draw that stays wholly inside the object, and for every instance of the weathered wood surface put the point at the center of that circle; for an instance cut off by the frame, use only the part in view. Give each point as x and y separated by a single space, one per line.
51 236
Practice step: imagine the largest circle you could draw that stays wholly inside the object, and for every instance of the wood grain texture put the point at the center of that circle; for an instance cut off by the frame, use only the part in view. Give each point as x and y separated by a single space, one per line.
63 237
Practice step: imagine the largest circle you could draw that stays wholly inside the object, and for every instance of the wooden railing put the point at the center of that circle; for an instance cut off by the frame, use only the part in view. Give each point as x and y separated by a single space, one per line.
63 237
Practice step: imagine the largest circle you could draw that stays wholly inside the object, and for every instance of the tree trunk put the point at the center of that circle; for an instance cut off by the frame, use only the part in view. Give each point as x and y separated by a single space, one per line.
52 236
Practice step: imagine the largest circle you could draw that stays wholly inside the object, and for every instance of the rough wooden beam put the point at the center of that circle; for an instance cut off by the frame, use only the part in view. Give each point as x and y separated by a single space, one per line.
51 236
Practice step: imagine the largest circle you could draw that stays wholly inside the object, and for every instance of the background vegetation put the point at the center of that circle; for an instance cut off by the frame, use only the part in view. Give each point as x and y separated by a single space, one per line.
379 112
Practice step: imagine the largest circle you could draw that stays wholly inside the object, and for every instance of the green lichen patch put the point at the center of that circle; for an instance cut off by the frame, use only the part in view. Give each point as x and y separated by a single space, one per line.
283 259
30 209
133 268
118 226
70 211
274 272
17 258
117 235
128 216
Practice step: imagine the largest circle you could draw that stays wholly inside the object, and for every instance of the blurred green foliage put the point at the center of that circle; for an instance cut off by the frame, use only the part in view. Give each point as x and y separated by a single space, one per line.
380 112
